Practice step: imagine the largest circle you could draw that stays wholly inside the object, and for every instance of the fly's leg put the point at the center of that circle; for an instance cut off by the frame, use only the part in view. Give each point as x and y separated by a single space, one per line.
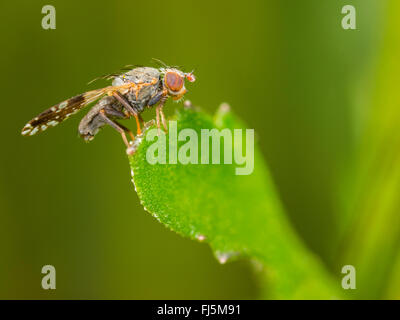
139 131
111 112
124 102
159 112
160 98
116 126
128 107
157 98
158 119
164 122
141 119
126 130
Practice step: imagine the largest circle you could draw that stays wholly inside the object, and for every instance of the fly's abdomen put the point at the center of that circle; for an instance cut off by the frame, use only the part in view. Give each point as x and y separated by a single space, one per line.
93 122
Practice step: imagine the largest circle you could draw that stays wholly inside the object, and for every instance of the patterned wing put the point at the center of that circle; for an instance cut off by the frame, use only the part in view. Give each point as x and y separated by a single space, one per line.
112 76
58 113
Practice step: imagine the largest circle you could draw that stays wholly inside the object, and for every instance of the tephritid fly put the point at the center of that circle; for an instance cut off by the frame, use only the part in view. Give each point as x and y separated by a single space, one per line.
129 94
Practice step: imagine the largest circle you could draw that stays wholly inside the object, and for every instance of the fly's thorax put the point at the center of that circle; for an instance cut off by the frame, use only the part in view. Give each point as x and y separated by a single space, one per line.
140 97
137 76
147 81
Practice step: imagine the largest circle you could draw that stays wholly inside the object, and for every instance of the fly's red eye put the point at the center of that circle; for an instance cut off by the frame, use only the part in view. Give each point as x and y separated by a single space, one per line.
174 81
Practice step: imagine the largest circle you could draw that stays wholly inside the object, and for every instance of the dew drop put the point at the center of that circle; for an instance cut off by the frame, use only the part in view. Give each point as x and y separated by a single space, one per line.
224 257
200 237
224 107
188 104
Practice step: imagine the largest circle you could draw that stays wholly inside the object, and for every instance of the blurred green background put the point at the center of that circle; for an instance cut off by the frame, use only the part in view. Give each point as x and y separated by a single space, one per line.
323 102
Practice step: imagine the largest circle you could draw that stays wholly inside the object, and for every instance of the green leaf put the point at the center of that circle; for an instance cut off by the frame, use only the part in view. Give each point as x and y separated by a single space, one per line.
238 215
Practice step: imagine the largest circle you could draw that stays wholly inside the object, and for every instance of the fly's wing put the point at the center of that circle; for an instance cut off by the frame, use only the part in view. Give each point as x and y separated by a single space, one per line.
114 75
58 113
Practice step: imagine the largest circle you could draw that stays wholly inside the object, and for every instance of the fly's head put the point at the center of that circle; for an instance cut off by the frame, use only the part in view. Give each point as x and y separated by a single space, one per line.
174 81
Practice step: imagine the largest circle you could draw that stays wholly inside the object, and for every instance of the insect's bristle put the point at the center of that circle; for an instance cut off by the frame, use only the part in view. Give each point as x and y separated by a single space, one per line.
94 80
105 77
113 75
129 67
160 63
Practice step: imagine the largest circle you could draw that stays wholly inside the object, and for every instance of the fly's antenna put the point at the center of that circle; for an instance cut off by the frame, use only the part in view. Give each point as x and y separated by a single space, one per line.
190 76
195 68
